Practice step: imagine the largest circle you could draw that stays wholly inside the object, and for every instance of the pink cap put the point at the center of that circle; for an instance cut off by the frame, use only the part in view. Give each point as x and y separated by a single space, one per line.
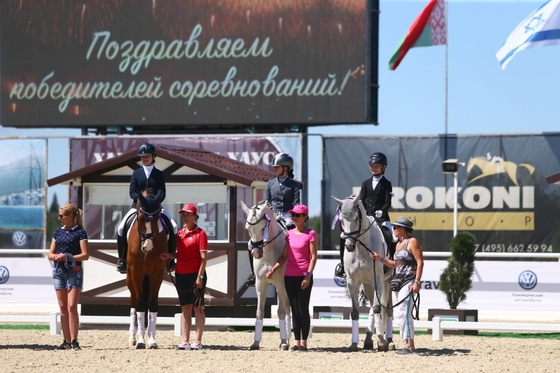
189 207
299 209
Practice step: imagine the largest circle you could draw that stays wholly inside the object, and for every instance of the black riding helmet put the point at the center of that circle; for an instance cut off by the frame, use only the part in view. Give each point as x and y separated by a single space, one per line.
283 159
146 149
378 158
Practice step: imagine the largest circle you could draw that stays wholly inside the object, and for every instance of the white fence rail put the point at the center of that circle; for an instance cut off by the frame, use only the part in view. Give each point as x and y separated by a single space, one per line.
437 325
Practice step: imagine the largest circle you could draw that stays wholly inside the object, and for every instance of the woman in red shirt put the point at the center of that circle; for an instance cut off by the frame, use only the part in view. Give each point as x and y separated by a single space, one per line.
192 246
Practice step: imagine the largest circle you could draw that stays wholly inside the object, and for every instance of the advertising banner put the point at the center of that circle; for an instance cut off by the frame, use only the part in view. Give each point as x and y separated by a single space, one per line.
502 194
22 193
517 286
176 62
20 284
254 150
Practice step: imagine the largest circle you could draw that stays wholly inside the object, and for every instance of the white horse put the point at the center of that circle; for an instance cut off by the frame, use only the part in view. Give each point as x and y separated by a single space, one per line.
362 235
267 244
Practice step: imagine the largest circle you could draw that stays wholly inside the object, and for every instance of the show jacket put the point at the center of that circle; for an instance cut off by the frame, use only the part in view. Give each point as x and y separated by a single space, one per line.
139 183
283 196
378 199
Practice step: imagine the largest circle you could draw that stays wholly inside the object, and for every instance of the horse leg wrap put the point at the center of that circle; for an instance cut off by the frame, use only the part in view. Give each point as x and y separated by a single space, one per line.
389 325
289 326
258 330
141 319
152 318
132 329
355 331
283 331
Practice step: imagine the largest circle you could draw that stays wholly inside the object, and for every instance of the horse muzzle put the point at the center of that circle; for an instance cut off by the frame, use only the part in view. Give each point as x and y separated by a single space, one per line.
257 252
147 245
349 242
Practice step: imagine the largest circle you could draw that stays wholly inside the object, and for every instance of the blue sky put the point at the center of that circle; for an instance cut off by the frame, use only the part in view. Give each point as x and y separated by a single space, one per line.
481 97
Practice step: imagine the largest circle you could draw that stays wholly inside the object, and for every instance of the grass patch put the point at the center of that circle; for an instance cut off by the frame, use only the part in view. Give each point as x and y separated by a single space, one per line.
24 327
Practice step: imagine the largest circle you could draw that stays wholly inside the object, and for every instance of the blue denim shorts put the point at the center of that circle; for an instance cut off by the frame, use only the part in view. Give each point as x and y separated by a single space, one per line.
68 278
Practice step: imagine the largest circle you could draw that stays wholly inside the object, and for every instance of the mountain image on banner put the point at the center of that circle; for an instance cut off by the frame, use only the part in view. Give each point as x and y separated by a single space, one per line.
430 28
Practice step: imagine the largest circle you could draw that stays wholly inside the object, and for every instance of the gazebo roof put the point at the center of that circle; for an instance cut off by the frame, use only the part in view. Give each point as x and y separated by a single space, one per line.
204 161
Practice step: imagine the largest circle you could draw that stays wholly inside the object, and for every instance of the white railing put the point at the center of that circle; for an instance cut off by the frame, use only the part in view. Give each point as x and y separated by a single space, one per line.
335 253
437 325
446 254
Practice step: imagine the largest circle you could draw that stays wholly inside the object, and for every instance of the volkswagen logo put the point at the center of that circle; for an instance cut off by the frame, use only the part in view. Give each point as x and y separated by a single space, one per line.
19 238
4 275
340 281
527 280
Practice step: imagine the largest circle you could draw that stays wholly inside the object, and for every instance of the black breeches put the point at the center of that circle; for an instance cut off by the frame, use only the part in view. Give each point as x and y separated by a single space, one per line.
299 302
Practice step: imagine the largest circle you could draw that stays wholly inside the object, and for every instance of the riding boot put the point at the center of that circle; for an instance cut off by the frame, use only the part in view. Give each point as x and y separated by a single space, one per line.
339 269
251 279
171 242
122 246
172 248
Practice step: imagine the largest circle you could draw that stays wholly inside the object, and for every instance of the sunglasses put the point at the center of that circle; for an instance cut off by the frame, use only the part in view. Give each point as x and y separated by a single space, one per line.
60 216
298 215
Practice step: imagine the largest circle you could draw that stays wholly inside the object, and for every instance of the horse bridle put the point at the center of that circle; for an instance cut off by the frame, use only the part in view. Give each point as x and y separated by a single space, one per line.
260 244
356 233
147 216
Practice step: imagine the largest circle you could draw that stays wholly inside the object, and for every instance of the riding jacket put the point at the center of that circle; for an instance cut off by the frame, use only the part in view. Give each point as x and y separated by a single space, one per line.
283 195
378 199
139 183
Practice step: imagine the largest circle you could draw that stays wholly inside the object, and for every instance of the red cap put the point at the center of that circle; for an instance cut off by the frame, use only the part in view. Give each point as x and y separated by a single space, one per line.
189 207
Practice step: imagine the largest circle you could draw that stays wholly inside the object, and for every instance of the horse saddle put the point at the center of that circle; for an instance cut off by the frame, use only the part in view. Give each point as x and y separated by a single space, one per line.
391 246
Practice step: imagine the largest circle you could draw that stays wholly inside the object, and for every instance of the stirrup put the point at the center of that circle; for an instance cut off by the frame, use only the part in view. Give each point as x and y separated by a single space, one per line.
122 267
339 271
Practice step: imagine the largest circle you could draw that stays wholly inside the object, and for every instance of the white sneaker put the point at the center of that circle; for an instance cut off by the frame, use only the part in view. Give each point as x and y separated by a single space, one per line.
184 346
196 345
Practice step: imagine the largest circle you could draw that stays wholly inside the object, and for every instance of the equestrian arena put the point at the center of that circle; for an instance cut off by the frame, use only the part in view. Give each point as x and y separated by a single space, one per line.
106 350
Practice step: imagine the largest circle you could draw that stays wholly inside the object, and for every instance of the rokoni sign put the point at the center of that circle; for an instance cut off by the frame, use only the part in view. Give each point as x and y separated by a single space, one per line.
503 197
125 62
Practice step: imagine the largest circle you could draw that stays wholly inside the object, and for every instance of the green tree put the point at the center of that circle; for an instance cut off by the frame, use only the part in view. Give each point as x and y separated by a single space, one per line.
455 280
315 224
52 219
54 205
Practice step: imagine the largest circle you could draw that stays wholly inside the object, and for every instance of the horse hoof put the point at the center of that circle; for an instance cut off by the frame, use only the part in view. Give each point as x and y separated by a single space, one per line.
382 347
353 347
141 346
152 346
368 345
131 342
254 346
283 347
391 346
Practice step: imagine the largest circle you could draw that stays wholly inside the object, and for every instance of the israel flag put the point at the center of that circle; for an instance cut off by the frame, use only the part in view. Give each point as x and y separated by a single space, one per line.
540 29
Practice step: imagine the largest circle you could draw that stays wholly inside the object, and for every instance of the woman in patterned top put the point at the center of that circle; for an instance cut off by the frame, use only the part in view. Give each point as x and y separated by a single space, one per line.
69 248
409 265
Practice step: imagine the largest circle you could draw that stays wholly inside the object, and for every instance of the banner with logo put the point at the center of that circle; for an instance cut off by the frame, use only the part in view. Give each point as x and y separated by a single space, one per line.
517 286
254 150
187 63
26 280
502 194
22 193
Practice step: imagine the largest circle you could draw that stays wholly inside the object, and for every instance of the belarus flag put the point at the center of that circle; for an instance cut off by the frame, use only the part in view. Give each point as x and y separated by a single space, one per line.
428 29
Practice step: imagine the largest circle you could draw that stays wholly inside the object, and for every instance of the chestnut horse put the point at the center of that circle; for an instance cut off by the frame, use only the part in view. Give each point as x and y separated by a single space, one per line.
147 239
